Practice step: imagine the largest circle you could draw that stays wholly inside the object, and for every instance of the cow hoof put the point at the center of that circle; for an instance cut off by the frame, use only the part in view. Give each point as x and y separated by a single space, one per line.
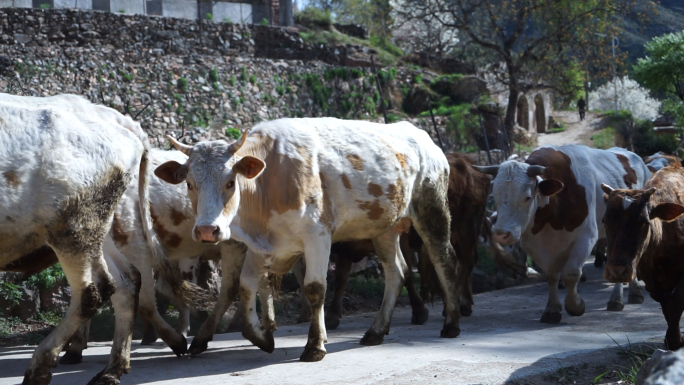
267 344
331 322
71 358
198 346
450 331
635 299
38 377
181 348
575 311
466 310
312 355
104 379
420 317
550 317
371 338
615 306
148 340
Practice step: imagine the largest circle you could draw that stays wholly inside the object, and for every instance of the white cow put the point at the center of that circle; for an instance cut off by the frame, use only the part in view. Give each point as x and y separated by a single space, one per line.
64 165
552 203
291 187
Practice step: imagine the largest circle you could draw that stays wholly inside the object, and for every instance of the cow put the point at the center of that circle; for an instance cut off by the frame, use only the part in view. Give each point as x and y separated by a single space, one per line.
289 188
64 165
172 220
660 160
645 233
550 203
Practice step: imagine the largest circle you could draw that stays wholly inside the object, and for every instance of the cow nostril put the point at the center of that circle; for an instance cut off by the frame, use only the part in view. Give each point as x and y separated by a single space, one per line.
216 231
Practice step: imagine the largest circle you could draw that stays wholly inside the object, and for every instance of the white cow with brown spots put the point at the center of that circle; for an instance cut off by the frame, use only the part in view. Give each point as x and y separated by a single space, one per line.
64 165
173 221
552 204
291 187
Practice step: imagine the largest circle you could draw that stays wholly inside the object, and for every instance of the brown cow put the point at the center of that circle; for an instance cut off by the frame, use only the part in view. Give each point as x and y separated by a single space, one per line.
645 232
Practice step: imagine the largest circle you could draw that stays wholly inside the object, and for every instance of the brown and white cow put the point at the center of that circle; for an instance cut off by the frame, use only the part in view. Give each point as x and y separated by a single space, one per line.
467 195
645 230
291 187
64 165
552 204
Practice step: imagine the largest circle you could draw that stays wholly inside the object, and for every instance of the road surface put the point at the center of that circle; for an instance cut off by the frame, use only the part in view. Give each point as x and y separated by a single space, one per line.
502 341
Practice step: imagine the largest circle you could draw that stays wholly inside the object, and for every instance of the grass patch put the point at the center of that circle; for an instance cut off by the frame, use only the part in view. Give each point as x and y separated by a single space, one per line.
314 17
635 355
604 139
384 57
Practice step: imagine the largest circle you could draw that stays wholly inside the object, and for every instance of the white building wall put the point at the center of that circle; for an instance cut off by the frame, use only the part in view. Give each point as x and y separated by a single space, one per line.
233 12
179 8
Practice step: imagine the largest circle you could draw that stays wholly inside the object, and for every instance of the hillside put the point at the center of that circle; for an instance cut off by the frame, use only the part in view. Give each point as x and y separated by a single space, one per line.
668 18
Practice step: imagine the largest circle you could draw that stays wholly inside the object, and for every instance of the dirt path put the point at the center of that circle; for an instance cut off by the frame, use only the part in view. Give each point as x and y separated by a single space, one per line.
502 342
576 132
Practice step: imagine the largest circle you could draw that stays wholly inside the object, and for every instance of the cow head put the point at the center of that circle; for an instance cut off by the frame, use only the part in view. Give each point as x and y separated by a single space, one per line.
629 220
518 191
213 174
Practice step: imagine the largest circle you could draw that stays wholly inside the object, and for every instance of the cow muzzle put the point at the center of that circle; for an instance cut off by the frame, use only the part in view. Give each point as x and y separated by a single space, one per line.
618 273
208 233
503 237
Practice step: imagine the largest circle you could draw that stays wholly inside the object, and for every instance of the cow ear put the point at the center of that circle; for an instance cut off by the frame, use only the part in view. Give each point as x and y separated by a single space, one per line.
667 211
249 166
172 172
548 187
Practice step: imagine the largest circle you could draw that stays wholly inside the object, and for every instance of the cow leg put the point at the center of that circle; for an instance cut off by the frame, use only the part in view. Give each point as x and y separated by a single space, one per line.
574 304
635 295
334 314
148 309
552 313
232 261
266 299
419 313
466 263
124 302
149 334
615 303
305 309
252 329
389 253
432 222
317 255
673 306
76 345
90 285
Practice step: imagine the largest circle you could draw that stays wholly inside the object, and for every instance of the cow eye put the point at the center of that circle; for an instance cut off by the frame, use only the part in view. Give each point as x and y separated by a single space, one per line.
230 184
189 185
527 199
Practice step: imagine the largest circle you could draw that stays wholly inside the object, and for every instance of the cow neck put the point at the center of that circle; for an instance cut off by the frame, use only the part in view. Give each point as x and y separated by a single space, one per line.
567 209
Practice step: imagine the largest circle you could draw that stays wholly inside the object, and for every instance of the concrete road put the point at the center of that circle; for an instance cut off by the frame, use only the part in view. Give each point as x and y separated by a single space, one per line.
502 340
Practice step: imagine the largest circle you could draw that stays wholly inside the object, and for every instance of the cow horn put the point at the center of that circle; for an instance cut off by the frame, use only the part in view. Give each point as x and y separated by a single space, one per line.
647 194
235 146
535 170
184 148
491 170
606 189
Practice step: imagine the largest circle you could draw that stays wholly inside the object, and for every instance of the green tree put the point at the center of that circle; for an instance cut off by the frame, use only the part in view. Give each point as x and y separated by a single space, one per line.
537 41
662 70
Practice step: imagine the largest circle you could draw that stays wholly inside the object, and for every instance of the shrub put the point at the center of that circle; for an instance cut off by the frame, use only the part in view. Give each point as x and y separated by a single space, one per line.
386 45
182 84
47 278
11 292
214 75
233 80
252 79
209 16
387 76
313 17
233 133
264 22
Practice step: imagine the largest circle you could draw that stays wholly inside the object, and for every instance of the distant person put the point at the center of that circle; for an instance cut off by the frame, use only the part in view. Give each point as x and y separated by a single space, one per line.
581 106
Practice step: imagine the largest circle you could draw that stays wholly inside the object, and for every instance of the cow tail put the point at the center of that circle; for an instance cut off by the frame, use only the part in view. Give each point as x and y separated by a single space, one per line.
187 292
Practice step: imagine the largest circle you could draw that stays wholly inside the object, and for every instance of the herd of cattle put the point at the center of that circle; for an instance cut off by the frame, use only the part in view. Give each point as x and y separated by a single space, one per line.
76 187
